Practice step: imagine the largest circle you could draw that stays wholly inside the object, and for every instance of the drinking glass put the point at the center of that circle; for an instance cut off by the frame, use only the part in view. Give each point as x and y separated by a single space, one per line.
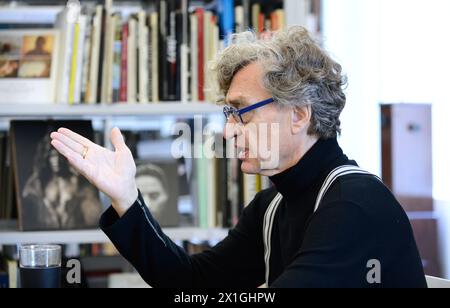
40 266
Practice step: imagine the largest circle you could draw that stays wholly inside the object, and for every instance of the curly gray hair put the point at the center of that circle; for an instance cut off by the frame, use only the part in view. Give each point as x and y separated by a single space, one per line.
297 72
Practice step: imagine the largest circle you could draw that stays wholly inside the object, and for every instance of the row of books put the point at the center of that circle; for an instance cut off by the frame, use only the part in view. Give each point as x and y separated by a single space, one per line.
150 56
160 53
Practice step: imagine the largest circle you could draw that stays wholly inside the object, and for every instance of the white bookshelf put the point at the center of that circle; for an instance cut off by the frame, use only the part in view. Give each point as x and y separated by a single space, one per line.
34 111
97 236
113 110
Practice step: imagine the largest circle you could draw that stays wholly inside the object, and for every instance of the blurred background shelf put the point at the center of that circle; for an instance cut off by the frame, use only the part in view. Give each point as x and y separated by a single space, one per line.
56 110
97 236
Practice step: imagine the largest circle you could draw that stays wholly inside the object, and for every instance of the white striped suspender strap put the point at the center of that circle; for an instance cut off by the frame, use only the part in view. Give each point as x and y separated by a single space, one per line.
333 176
267 231
272 209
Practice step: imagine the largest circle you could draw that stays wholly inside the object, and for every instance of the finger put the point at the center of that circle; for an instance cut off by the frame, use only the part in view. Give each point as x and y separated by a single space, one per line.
74 158
117 139
75 137
73 145
64 150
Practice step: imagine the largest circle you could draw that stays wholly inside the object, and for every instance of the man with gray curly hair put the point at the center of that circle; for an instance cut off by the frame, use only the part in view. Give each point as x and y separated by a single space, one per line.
324 223
290 73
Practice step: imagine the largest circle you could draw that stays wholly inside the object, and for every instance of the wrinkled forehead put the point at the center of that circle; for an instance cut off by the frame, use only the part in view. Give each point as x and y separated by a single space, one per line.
247 86
238 100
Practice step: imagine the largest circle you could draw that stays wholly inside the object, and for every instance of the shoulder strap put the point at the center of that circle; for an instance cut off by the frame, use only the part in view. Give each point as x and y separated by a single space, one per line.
272 209
333 176
267 231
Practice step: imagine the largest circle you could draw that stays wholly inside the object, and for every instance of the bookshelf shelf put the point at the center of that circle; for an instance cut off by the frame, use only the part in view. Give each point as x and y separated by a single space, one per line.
119 110
97 236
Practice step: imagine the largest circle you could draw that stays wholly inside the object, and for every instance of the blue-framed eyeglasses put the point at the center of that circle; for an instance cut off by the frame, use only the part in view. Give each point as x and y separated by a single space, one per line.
237 114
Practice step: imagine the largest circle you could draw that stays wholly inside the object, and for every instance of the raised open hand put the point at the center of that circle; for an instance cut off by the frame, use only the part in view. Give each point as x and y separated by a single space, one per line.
112 172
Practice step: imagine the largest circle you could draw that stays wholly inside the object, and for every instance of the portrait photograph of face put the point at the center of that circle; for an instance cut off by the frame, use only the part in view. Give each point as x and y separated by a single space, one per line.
38 46
158 184
51 194
36 56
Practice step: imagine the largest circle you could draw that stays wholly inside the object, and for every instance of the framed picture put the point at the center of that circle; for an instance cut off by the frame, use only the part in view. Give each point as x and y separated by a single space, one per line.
28 65
51 195
158 183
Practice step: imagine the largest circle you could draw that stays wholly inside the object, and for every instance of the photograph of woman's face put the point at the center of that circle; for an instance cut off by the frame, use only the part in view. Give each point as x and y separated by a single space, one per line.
158 182
52 195
153 191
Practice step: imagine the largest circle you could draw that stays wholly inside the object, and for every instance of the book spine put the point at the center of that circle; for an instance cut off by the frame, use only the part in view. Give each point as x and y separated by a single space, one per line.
95 56
66 49
184 52
207 20
256 9
102 40
155 57
282 19
201 53
132 65
74 62
149 67
194 58
106 85
226 17
117 61
211 173
124 65
239 16
246 15
178 81
80 57
172 53
87 62
163 68
143 58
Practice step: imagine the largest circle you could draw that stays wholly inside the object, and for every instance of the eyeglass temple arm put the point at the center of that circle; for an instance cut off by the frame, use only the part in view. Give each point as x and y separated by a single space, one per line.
255 106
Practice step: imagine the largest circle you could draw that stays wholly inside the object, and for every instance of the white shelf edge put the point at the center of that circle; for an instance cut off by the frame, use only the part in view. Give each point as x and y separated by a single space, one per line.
55 110
97 236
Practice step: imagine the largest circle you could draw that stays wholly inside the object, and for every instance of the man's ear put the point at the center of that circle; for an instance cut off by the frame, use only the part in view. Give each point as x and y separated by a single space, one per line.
301 119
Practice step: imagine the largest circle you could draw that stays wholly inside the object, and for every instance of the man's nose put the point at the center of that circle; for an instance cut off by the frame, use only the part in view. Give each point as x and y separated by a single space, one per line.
232 129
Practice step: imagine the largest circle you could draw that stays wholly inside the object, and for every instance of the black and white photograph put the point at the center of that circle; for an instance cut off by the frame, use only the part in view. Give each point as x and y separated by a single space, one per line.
51 194
158 183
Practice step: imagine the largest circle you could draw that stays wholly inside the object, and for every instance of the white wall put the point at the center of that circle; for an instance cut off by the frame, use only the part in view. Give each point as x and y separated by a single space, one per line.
351 35
394 51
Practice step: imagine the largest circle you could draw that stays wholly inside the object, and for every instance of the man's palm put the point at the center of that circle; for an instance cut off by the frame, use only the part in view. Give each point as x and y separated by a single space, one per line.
105 169
112 172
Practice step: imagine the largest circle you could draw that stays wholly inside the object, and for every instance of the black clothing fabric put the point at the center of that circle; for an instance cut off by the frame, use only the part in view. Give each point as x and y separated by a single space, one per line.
358 221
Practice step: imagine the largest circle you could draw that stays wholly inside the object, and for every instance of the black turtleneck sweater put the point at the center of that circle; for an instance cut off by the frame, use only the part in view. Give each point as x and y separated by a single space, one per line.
358 220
